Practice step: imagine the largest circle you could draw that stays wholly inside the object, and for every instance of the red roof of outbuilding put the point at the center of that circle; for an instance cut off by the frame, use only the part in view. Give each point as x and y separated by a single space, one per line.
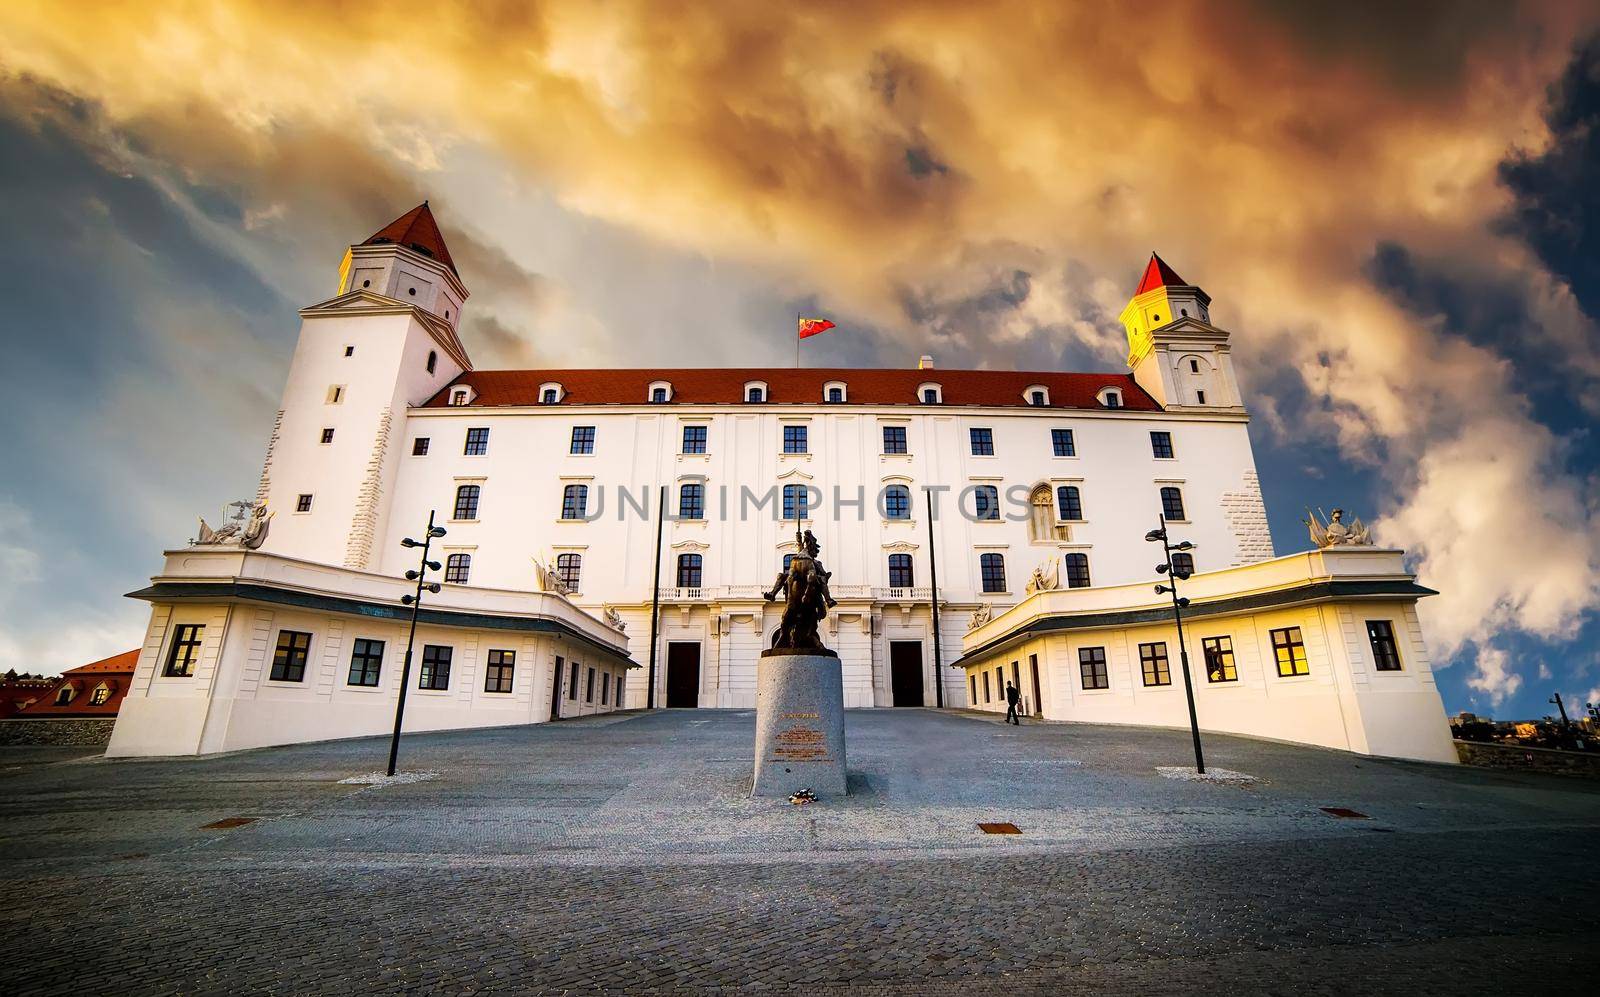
416 230
1158 274
706 385
124 662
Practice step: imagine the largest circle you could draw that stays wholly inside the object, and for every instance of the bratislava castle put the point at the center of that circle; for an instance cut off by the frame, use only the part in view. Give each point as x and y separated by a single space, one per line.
982 527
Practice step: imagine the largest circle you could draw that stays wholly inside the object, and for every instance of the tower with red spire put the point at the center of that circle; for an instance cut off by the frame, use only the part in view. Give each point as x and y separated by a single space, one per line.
1176 354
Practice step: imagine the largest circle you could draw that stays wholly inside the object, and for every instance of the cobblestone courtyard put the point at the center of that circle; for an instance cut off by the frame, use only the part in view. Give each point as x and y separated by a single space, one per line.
621 853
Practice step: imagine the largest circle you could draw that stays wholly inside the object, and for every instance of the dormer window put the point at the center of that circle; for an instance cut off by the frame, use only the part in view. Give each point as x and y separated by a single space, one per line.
1111 397
755 392
1037 395
549 397
930 394
551 393
833 392
660 392
458 396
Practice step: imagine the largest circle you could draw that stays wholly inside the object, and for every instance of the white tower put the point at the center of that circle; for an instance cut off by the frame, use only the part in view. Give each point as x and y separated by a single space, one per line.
386 342
1175 352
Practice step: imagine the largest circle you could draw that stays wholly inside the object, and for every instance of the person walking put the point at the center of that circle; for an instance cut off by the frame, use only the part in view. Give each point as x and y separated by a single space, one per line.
1012 698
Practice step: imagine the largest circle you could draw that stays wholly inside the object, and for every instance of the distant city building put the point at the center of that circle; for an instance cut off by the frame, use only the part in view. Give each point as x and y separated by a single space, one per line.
93 690
18 692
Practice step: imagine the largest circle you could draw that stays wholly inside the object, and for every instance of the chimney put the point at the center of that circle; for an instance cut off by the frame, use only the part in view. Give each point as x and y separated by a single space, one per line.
925 362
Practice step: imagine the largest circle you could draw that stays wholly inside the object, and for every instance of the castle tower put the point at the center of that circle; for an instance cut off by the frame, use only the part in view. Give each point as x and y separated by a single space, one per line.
387 341
1176 354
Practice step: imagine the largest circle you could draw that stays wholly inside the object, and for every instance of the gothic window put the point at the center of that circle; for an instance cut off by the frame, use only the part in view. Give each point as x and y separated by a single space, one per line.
1077 571
457 567
467 501
689 571
992 567
1172 503
1041 519
900 571
569 570
574 501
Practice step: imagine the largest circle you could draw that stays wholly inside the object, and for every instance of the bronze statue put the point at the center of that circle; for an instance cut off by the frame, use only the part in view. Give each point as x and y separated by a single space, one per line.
807 600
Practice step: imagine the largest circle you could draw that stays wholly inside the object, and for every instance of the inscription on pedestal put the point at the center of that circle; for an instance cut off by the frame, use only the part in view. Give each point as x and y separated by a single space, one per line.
799 726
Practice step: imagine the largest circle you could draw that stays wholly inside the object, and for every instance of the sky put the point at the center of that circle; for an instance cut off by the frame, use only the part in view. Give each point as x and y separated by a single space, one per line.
1395 207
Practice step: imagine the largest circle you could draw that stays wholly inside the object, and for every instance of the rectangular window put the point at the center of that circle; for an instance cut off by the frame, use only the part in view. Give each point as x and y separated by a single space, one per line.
502 664
694 439
327 436
1219 659
366 660
349 351
622 690
605 687
435 667
477 442
993 570
1000 683
894 439
419 447
691 501
1061 443
986 697
972 683
1160 443
982 441
900 571
1092 668
572 683
1289 648
794 439
185 649
588 686
289 660
1385 652
582 439
302 502
1153 662
986 502
1077 571
796 502
335 394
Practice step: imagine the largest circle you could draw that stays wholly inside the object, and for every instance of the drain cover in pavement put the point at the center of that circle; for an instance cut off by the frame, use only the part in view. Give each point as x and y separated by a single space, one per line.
999 827
1344 812
228 823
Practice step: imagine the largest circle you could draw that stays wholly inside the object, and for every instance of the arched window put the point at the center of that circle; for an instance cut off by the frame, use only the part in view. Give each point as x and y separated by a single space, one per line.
691 501
574 501
1111 397
787 558
660 391
569 570
897 502
930 393
755 391
1077 571
467 501
1069 503
689 573
993 569
1036 398
1172 503
900 571
433 360
796 502
986 502
458 396
835 394
457 567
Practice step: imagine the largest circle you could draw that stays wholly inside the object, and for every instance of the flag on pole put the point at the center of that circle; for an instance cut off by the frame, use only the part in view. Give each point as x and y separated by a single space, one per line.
813 326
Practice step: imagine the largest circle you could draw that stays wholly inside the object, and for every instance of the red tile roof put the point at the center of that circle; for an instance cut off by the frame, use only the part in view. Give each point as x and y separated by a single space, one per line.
1158 274
706 385
124 662
115 671
416 230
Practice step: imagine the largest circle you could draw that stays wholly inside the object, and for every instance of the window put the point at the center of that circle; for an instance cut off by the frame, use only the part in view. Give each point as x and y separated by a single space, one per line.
1092 668
435 667
972 683
502 665
588 686
1061 443
1069 503
457 567
622 688
605 687
433 360
694 439
467 501
1289 648
569 570
366 660
689 573
1199 397
894 439
548 396
64 695
335 394
1219 659
101 694
796 502
794 439
477 442
1172 503
691 501
787 558
419 447
1036 398
982 441
327 436
349 351
572 683
930 396
1182 564
1153 662
458 397
289 660
1385 652
658 395
1111 398
986 502
1000 683
1077 571
900 571
574 501
835 395
1194 365
302 502
986 697
993 569
582 439
897 502
1161 443
185 649
754 394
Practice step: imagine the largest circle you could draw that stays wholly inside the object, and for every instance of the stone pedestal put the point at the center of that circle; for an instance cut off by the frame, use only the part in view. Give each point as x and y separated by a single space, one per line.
799 725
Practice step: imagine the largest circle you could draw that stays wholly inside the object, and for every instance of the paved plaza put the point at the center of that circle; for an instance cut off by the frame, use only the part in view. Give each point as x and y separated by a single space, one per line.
621 853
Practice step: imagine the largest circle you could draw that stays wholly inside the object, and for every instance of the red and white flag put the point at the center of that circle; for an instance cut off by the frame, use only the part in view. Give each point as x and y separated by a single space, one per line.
813 326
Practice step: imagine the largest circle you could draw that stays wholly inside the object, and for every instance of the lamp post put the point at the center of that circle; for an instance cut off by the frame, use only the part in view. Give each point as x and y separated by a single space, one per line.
1159 535
415 602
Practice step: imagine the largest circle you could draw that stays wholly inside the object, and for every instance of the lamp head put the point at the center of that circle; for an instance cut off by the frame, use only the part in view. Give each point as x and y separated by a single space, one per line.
433 565
1162 589
437 531
1155 536
1185 545
411 576
432 586
1183 601
1161 569
408 542
407 600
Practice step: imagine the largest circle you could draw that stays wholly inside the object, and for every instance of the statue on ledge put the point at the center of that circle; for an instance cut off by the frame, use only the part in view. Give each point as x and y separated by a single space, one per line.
1336 533
249 534
807 600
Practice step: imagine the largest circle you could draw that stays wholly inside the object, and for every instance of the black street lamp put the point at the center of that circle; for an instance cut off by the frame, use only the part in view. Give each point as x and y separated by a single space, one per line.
415 602
1159 535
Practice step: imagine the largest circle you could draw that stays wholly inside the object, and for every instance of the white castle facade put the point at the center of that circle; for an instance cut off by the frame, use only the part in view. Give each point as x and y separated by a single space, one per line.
564 592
